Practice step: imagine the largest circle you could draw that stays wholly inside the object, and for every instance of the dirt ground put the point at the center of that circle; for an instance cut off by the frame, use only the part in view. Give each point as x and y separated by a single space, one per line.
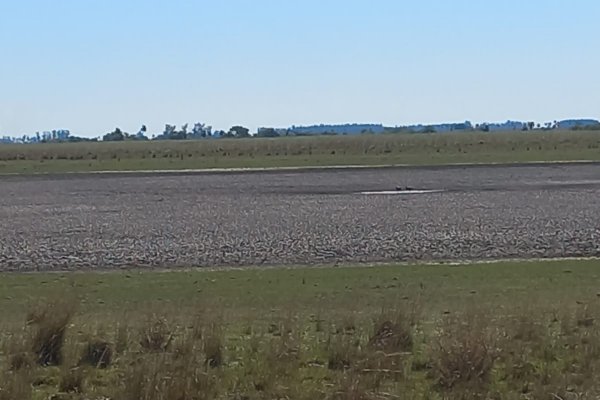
68 222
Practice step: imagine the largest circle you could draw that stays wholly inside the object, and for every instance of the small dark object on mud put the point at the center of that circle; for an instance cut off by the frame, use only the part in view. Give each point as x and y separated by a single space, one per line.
405 188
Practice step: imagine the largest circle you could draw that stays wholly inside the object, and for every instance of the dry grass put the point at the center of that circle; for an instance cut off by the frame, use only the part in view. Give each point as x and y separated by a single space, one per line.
412 349
467 357
16 385
463 357
51 321
156 335
98 353
72 380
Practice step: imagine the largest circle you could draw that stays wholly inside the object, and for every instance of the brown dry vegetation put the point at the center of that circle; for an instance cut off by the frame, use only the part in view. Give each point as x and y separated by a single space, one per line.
424 344
470 356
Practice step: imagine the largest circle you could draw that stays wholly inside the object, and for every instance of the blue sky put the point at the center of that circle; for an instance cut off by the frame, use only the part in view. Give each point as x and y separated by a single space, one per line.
92 65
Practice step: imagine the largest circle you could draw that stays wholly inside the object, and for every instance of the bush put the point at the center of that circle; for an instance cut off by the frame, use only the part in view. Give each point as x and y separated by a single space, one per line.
97 353
392 334
71 381
48 340
462 356
162 377
156 335
20 361
213 349
342 353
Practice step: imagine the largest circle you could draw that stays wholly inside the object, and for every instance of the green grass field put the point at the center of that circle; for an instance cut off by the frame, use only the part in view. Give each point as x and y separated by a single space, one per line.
412 149
509 330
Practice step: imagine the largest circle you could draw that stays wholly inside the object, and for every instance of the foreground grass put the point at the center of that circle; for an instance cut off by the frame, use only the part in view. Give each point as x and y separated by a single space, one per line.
411 149
507 330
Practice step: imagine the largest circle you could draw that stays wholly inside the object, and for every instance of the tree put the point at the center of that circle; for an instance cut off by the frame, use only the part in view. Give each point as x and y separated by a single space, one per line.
267 132
183 131
201 130
239 132
169 131
198 130
115 136
141 135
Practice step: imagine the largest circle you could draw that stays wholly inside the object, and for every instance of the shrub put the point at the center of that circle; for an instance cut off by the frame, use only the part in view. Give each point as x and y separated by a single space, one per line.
71 380
463 355
97 353
20 361
51 322
156 335
392 334
341 353
213 349
163 378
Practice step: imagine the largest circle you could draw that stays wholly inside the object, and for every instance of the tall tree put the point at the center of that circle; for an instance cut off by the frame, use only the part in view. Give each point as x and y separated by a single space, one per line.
267 132
198 130
239 131
115 136
169 131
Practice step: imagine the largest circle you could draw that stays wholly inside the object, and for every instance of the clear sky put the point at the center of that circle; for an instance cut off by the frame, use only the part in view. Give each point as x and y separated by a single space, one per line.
92 65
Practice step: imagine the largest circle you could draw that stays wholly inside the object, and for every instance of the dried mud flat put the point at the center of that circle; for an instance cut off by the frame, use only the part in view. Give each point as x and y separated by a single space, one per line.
75 222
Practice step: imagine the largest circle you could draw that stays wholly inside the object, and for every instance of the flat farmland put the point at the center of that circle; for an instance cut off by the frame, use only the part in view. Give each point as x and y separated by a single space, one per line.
405 149
110 221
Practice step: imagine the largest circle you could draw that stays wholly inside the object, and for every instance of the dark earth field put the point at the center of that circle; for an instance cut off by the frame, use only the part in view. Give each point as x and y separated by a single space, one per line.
93 221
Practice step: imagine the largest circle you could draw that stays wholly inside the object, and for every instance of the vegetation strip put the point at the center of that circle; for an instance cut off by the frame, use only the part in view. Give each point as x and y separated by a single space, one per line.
310 168
376 150
500 330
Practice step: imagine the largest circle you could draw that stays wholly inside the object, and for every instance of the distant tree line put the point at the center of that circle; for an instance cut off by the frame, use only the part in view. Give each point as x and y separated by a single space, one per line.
54 136
201 131
586 128
171 132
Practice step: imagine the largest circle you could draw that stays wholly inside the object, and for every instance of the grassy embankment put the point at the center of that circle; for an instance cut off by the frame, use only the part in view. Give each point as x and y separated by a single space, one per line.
505 331
415 149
